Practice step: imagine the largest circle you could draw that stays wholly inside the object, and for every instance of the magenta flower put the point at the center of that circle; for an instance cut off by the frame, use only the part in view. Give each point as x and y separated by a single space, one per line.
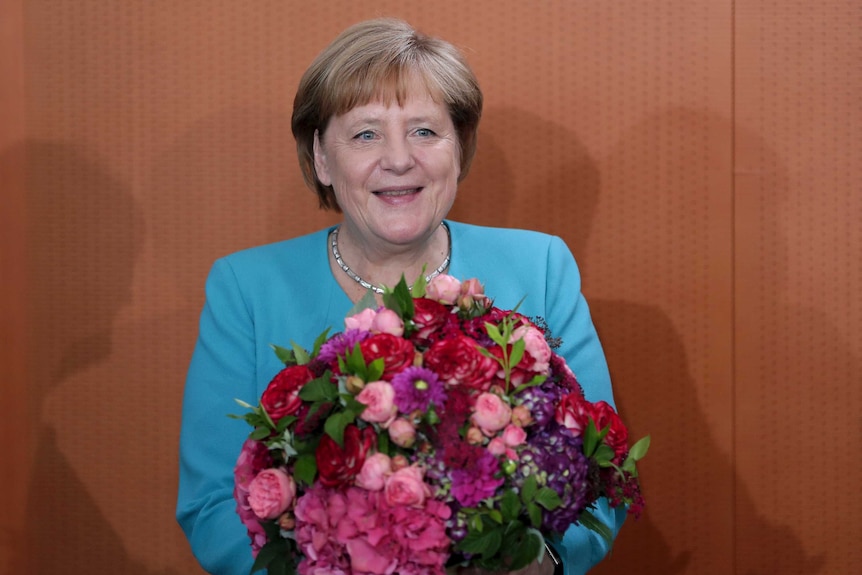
472 484
416 388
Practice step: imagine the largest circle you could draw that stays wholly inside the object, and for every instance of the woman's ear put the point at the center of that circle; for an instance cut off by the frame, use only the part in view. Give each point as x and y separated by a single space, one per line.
320 166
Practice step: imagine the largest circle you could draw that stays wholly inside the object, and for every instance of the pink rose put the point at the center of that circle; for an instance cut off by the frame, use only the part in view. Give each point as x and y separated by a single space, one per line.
497 446
362 320
474 436
374 471
536 345
406 487
514 436
387 321
444 288
271 493
402 432
379 397
491 413
521 416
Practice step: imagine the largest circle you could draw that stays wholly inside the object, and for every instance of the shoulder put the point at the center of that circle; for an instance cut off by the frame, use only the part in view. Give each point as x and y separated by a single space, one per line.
503 238
296 255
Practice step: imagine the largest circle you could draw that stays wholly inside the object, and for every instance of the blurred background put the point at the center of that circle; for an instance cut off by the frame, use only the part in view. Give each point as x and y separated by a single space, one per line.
701 158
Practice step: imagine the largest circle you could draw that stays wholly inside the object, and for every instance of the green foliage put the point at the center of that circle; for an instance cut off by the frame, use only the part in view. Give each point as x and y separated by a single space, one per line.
272 555
400 300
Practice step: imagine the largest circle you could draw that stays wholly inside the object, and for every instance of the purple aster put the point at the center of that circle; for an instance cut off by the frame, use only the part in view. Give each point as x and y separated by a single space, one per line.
416 388
340 344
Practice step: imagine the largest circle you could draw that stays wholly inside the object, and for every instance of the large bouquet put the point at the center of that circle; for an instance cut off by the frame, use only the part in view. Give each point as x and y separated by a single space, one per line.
434 431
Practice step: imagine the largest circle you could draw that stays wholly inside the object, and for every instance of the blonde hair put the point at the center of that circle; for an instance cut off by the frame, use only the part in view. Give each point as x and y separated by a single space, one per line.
381 60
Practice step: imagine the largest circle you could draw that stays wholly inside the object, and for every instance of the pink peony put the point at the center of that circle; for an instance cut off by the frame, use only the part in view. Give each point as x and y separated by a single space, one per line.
444 289
491 413
271 493
402 432
374 471
535 345
387 321
379 397
253 458
407 487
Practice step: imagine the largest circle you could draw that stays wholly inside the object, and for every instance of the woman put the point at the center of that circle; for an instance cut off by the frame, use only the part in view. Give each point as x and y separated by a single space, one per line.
385 121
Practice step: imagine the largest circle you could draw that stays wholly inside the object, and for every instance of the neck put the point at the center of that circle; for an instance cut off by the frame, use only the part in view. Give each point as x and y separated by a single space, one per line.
364 265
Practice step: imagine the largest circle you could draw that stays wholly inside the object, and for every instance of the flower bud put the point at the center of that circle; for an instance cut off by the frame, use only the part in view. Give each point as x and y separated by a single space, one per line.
354 384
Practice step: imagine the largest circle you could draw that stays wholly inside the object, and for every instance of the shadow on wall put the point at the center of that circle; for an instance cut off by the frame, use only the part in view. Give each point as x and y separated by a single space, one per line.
84 233
656 392
532 173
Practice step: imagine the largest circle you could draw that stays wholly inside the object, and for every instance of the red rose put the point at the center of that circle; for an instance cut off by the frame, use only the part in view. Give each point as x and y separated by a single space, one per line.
429 317
338 466
457 361
574 413
282 394
618 436
397 353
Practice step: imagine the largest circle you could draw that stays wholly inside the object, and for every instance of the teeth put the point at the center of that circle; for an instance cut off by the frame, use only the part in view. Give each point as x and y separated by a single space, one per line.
398 192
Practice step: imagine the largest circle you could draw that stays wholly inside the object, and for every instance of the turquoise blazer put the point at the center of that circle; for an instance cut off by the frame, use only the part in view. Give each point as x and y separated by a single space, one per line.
284 292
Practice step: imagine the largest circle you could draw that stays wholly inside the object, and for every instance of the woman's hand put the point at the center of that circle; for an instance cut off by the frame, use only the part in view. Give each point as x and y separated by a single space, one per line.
534 568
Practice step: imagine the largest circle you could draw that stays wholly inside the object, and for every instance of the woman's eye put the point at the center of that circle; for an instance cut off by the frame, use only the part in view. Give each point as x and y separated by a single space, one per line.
366 135
424 132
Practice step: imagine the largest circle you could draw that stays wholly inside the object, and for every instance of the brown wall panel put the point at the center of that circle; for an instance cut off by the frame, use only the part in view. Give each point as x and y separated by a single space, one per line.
701 159
798 247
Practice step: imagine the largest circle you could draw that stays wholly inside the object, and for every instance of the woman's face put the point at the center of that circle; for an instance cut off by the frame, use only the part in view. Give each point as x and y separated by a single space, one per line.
394 169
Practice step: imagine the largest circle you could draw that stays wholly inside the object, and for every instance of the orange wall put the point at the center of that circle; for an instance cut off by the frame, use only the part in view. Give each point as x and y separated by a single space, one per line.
700 157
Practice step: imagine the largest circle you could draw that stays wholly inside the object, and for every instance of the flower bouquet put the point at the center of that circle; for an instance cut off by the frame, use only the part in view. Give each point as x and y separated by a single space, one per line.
435 431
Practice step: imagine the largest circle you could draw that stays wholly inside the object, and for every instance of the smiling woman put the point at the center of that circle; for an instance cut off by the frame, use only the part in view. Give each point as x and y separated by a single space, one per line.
385 122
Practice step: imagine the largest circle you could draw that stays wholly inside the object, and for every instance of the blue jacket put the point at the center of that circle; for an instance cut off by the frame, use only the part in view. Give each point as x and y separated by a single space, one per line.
284 292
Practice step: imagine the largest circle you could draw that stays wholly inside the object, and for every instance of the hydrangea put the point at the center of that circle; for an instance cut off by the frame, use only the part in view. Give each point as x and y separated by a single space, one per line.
356 531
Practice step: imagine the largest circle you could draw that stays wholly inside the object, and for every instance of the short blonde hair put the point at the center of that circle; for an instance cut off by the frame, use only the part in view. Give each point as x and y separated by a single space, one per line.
380 60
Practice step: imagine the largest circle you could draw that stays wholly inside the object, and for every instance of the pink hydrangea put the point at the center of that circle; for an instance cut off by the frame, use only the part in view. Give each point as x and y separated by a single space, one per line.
355 531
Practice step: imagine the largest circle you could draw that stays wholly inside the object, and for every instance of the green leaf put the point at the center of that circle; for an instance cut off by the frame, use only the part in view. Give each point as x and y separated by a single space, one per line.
305 468
639 449
400 300
535 513
528 491
517 352
318 343
604 454
510 506
260 433
591 522
548 498
335 424
494 333
375 370
319 389
593 438
485 543
283 354
495 516
302 357
270 553
418 289
521 546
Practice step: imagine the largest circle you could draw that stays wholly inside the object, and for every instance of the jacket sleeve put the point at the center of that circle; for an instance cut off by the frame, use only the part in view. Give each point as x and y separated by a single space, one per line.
222 368
568 317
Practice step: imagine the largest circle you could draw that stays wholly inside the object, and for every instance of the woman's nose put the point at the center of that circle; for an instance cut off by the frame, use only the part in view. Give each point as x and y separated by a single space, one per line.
397 155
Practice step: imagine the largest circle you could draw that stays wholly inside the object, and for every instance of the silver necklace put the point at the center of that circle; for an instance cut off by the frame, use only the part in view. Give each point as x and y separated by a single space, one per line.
333 243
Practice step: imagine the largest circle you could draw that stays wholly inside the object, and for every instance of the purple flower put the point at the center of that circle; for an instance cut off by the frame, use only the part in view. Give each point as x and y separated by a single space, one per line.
416 388
473 484
341 344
